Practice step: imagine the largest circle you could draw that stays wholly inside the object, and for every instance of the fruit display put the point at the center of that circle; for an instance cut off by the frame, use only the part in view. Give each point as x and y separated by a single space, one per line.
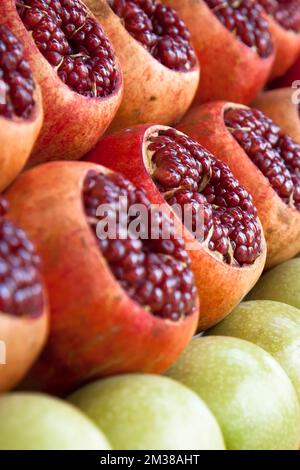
149 227
161 413
160 67
264 159
247 390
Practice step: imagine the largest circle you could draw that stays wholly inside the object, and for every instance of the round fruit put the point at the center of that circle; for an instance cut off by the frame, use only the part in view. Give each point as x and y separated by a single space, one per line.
266 162
140 412
119 302
281 283
284 24
23 303
233 44
21 111
273 326
246 389
74 63
160 68
220 226
32 421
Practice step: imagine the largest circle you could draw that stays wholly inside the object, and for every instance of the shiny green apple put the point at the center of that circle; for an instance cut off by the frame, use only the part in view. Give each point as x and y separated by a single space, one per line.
33 421
247 390
143 411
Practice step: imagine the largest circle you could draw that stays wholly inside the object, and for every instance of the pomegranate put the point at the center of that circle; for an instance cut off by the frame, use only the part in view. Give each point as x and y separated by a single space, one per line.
264 159
291 77
233 43
20 107
160 68
284 24
74 63
118 304
23 303
217 216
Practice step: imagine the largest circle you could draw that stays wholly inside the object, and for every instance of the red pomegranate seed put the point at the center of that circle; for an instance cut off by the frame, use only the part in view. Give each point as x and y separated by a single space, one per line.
285 12
73 43
16 83
186 173
245 19
274 153
155 272
159 29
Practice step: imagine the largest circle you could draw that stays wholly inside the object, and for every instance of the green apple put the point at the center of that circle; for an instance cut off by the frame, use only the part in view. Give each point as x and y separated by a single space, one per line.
273 326
247 390
33 421
143 411
281 283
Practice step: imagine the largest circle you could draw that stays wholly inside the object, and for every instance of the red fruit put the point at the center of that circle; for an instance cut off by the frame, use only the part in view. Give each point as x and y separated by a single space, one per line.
233 44
74 63
228 253
160 68
284 24
23 303
264 159
292 75
117 305
21 111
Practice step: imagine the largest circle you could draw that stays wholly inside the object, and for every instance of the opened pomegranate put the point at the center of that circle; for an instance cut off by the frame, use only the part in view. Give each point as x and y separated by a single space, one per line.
160 67
75 65
264 159
20 107
233 43
120 303
214 212
23 303
284 24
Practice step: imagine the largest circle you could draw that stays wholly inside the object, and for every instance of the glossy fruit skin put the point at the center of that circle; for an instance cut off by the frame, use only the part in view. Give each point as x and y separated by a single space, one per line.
96 329
223 71
281 106
246 389
33 421
273 326
281 284
221 287
152 92
281 223
72 123
156 412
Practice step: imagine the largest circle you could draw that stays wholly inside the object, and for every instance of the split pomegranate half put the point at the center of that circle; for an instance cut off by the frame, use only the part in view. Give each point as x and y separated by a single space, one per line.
284 24
264 159
23 303
234 46
75 65
215 213
160 67
21 111
125 302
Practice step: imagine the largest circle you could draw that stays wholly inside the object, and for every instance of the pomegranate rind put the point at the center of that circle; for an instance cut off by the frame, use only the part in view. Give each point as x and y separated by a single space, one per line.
221 286
72 123
229 69
281 223
152 91
96 329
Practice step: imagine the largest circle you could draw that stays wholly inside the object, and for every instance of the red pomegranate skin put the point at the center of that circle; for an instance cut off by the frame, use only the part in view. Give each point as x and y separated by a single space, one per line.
96 329
221 286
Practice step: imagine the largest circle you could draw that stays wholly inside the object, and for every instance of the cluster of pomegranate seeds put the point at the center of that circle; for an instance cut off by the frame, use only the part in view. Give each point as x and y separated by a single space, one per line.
21 290
274 153
159 29
285 12
245 19
72 42
154 271
16 82
188 175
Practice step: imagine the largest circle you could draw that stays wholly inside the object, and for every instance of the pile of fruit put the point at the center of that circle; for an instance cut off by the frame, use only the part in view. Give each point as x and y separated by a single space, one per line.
122 238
